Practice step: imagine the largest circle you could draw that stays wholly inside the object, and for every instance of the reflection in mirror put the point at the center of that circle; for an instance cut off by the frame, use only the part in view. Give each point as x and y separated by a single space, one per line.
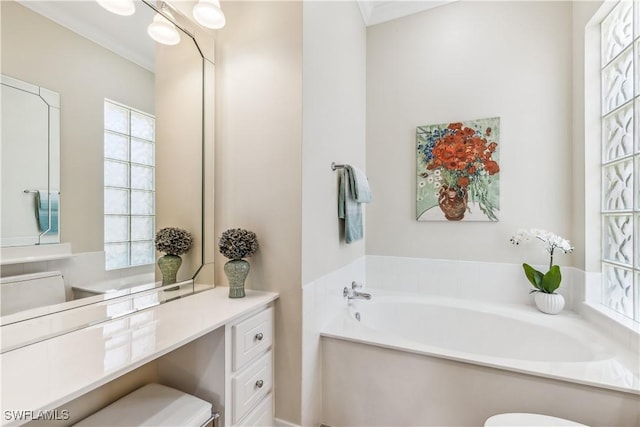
30 163
131 146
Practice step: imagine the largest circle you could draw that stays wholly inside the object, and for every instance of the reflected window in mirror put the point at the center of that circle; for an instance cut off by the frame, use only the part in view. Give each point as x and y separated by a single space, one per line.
129 186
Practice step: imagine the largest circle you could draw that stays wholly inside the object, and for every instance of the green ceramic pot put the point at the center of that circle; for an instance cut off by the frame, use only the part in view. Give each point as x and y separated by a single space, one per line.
236 271
169 265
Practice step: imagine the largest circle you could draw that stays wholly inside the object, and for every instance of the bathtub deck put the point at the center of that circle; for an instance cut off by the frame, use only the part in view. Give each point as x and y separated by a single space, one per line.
613 367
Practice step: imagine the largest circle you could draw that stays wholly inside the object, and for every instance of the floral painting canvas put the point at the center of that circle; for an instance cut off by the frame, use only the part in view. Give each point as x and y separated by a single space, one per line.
458 171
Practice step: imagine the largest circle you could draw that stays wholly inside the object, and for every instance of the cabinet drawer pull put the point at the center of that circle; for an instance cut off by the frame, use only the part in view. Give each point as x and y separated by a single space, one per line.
259 383
259 336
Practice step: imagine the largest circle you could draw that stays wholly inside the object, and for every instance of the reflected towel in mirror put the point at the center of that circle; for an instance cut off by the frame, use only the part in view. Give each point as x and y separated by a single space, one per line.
43 198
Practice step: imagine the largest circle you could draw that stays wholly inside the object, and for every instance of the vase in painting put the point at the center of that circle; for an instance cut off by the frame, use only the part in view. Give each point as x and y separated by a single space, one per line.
453 202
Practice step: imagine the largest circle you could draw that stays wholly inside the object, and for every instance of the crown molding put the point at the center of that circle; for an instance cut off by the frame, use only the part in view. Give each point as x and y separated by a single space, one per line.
376 12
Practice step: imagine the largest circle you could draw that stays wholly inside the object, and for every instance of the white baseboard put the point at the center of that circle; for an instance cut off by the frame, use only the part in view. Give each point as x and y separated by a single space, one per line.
282 423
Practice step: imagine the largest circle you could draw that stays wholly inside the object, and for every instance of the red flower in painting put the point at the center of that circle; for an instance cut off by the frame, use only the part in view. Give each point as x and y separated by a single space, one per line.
463 181
465 152
491 167
451 164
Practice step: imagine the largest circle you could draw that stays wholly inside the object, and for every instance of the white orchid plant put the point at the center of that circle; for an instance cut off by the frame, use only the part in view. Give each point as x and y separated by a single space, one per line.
550 281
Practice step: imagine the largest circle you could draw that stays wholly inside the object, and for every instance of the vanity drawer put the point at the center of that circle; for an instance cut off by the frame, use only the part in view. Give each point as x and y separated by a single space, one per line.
252 337
250 386
261 416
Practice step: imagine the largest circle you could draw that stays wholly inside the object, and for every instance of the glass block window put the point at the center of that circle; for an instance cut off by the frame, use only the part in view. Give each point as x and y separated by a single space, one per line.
129 187
620 71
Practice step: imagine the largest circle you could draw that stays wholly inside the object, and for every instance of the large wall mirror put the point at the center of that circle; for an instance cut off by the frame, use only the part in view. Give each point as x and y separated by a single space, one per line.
131 143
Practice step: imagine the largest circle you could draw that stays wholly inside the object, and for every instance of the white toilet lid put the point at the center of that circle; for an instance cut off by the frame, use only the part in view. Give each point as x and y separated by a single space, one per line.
528 420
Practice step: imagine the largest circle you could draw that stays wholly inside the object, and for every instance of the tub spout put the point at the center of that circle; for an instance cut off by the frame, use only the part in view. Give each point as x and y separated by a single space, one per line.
354 292
362 295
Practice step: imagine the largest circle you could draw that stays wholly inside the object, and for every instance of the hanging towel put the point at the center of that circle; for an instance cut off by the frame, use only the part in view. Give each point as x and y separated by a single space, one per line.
43 199
353 191
359 184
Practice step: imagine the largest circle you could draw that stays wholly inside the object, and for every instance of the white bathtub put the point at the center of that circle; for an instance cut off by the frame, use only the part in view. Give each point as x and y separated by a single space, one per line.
511 337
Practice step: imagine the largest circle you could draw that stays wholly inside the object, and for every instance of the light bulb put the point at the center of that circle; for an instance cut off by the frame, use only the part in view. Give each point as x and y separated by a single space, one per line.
119 7
208 14
163 31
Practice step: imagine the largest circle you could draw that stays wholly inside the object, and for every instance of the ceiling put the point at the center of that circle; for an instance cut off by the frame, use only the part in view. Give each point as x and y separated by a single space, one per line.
91 21
375 12
130 41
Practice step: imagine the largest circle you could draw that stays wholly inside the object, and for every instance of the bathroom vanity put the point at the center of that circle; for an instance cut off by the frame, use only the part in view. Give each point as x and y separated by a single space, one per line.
205 344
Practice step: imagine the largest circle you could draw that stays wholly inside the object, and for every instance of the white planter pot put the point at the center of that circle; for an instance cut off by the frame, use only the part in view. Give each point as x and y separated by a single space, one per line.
549 303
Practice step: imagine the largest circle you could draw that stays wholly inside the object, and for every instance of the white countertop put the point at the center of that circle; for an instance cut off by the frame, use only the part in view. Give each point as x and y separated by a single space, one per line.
49 373
30 326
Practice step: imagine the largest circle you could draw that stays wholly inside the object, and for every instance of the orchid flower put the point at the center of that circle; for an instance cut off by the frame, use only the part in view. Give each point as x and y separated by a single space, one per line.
549 281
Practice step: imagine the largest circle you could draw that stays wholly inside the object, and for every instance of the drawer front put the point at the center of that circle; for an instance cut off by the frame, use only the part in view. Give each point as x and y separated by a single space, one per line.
250 386
261 416
252 337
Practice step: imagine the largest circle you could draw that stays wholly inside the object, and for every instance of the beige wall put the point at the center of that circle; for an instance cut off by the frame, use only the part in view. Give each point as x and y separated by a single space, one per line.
586 135
258 180
179 147
334 105
281 121
463 61
83 73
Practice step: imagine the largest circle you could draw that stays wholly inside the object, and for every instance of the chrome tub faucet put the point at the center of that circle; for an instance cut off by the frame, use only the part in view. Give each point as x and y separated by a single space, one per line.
354 292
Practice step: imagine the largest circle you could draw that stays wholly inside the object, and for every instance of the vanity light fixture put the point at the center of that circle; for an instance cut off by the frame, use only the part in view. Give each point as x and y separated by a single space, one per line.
119 7
163 31
209 14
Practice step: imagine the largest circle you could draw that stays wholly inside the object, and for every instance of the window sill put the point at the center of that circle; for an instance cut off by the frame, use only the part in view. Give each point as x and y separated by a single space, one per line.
620 327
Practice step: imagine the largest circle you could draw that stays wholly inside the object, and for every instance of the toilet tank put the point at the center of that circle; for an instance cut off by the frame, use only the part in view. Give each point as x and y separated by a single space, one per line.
26 291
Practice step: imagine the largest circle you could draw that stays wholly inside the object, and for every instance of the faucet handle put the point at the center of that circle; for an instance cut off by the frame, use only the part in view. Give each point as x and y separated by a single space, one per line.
356 286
